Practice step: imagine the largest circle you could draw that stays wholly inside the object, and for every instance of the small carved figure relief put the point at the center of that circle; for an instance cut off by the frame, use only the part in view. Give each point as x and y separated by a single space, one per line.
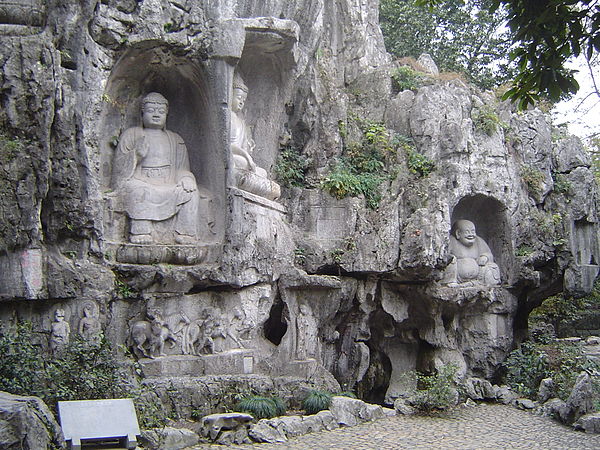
249 177
151 173
306 335
472 259
148 337
59 331
90 327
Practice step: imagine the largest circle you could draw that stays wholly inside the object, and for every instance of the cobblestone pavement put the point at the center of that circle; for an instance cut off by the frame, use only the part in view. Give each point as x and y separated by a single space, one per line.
478 427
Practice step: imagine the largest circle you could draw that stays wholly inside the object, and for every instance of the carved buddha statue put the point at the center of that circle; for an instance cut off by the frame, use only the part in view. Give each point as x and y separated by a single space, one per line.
472 259
151 172
248 176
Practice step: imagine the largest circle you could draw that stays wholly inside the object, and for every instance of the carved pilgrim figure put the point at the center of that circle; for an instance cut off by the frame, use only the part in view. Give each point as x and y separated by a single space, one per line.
90 327
151 171
59 331
472 259
306 338
249 177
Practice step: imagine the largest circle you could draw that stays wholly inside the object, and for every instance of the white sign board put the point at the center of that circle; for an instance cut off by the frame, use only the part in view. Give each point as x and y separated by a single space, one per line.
99 420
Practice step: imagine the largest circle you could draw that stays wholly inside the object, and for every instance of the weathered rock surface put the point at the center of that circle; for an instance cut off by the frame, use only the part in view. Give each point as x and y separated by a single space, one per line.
310 286
27 423
168 438
590 423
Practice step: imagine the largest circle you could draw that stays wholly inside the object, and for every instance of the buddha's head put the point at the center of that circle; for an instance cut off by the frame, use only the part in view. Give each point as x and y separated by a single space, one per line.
465 232
154 111
240 92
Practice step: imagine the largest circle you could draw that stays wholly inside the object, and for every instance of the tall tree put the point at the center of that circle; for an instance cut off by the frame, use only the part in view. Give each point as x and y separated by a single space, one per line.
547 34
460 36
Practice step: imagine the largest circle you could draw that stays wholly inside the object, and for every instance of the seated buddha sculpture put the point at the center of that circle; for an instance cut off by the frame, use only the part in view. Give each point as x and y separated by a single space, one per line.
151 172
248 176
472 260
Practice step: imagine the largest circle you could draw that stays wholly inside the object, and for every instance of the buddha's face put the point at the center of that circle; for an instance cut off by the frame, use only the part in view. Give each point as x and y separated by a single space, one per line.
154 115
465 233
239 99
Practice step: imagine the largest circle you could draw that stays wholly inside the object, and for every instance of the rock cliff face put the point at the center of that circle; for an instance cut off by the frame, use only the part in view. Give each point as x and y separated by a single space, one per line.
308 284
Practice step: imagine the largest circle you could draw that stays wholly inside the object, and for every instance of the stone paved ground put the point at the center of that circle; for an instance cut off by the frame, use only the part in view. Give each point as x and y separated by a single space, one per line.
478 427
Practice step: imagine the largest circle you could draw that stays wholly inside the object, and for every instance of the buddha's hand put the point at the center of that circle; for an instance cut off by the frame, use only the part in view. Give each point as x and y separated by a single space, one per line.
141 147
188 184
482 260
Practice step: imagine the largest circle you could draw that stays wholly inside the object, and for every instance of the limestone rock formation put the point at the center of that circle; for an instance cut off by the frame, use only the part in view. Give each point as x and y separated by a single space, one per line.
310 286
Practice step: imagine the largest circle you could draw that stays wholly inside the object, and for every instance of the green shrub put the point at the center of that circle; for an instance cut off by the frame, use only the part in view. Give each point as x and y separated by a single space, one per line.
533 178
418 163
291 168
436 391
364 166
524 250
21 363
261 407
561 184
526 367
316 401
405 78
486 120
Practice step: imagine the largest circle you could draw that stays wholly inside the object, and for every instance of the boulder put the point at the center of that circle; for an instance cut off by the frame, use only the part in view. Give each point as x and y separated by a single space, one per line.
213 424
590 423
27 423
479 389
266 430
351 411
168 438
580 400
546 390
504 394
557 409
403 408
525 403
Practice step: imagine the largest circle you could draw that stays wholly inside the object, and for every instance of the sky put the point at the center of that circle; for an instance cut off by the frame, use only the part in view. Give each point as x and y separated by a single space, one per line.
582 112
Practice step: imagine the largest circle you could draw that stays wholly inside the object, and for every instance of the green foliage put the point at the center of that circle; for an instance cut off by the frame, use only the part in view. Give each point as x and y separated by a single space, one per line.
300 255
524 250
261 407
460 36
364 166
437 391
533 178
405 78
562 311
10 147
316 401
21 362
82 370
291 168
418 163
526 367
486 120
561 184
123 289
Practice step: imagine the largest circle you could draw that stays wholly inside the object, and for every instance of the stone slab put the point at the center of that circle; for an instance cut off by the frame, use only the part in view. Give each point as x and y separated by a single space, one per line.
173 365
157 254
230 362
99 420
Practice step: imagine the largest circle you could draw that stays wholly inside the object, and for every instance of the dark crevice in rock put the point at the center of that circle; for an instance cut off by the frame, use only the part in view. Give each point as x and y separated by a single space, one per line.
276 325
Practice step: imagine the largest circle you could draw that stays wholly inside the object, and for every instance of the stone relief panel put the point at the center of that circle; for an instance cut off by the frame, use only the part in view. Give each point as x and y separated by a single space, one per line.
248 176
22 12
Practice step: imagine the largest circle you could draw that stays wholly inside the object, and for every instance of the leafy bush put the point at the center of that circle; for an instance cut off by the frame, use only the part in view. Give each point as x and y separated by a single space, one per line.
526 367
405 78
418 163
561 184
486 120
291 168
524 250
435 391
316 401
82 370
261 407
364 166
21 362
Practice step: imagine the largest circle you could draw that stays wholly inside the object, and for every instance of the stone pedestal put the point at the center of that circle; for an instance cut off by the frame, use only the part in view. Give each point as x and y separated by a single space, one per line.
238 361
161 253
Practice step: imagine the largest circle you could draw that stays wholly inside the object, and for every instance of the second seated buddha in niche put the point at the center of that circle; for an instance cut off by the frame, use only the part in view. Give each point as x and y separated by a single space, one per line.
472 259
248 176
151 172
